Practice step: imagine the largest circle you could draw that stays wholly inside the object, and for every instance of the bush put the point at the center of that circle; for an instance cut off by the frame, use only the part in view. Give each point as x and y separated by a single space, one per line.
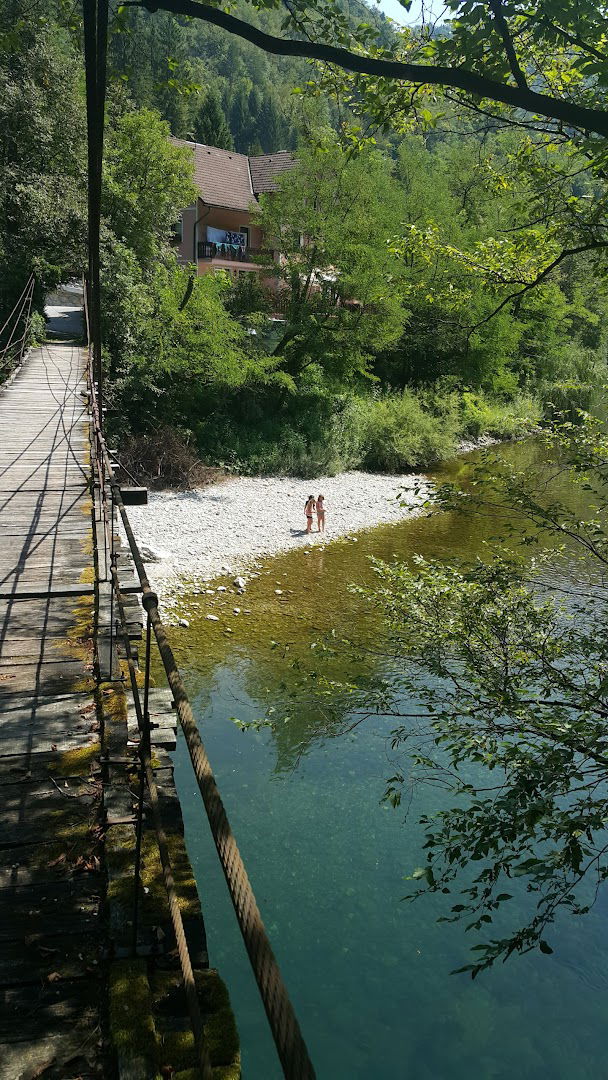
401 434
36 334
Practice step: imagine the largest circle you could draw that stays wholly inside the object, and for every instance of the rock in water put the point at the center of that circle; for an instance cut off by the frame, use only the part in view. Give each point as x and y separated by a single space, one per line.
184 623
239 582
212 618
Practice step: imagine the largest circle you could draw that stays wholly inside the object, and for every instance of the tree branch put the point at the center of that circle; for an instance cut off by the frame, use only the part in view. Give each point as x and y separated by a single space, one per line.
578 116
496 9
567 253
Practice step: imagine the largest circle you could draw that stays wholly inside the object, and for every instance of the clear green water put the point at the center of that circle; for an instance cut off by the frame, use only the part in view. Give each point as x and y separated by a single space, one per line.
368 974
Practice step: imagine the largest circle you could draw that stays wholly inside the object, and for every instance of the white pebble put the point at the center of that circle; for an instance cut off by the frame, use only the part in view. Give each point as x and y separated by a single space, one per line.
212 618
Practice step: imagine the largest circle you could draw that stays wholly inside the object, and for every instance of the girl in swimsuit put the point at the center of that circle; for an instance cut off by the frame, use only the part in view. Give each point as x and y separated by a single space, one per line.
321 513
309 510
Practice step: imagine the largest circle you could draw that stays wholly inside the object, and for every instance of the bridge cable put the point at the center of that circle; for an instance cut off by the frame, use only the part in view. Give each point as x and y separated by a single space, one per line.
25 288
95 20
286 1032
27 303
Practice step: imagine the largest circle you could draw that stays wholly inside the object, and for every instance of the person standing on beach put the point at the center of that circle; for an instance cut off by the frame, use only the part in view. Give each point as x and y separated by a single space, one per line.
309 509
321 513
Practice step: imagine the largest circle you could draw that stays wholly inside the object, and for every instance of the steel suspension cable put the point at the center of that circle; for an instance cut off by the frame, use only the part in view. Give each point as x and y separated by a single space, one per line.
95 20
25 288
27 302
284 1025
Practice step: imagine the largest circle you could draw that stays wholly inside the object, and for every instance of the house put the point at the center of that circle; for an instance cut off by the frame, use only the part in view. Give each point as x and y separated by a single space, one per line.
217 232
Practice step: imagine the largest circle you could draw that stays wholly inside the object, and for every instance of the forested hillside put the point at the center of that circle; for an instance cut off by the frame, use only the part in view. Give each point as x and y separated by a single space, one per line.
216 88
438 318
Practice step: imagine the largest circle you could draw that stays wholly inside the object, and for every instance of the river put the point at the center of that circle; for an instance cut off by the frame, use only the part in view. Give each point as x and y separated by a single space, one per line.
368 973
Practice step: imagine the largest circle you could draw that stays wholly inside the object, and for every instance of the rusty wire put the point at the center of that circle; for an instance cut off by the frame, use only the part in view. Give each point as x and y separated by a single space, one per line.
147 778
143 723
286 1032
18 345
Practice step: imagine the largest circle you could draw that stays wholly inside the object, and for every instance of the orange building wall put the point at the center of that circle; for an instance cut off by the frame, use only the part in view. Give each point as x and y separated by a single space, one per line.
195 220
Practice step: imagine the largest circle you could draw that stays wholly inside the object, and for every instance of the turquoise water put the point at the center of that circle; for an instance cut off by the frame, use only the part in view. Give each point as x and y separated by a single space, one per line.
368 973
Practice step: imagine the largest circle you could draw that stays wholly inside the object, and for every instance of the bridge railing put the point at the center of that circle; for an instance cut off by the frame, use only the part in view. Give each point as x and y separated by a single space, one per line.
17 323
288 1039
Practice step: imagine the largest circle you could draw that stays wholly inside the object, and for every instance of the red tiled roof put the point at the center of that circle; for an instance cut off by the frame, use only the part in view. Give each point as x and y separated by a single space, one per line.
225 178
266 168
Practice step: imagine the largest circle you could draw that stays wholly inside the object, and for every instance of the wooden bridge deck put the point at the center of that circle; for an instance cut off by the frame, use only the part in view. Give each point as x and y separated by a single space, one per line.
50 882
80 998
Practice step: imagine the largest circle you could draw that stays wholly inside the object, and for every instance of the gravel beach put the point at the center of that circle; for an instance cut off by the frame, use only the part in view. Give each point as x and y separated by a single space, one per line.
225 527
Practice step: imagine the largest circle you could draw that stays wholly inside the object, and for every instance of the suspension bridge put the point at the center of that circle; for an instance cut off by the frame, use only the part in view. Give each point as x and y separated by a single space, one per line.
104 970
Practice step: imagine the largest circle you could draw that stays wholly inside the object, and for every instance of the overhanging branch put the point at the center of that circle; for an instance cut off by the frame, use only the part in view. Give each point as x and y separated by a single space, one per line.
517 97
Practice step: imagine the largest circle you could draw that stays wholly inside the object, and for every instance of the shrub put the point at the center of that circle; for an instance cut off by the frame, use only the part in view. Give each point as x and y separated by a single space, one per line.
401 434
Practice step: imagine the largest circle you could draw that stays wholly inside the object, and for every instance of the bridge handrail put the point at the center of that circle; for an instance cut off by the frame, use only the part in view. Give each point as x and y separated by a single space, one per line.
18 346
288 1039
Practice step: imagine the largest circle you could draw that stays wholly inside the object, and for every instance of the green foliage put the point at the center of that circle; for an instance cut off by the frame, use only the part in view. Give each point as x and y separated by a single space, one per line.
210 125
402 435
334 215
506 682
42 132
147 182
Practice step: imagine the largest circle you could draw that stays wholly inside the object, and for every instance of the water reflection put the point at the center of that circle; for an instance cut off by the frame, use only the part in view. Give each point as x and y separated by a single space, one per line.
369 975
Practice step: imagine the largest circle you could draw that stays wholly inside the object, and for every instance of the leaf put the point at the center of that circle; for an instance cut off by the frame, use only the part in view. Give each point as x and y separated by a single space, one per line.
545 948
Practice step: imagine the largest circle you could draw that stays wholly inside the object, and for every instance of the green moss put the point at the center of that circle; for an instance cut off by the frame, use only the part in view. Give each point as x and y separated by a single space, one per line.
131 1023
83 612
75 762
221 1072
220 1028
112 703
219 1024
228 1072
154 902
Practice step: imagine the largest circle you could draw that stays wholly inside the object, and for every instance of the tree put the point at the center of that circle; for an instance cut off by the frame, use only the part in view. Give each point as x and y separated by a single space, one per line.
169 356
333 215
545 58
504 668
43 157
147 183
271 126
240 120
211 126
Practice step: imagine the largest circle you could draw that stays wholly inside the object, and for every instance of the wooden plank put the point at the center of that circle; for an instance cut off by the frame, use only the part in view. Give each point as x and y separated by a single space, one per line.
38 591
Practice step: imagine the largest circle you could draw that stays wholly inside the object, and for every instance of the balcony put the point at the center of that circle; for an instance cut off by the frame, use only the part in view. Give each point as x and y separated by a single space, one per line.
229 252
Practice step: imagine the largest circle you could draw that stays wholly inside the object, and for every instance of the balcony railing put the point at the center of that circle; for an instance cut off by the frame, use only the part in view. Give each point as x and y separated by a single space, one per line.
229 252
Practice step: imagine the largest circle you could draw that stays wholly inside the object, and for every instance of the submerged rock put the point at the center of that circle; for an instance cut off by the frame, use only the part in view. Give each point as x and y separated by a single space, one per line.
212 618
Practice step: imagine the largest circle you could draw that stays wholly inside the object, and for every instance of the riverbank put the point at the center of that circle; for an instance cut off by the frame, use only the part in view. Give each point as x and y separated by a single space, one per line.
226 527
